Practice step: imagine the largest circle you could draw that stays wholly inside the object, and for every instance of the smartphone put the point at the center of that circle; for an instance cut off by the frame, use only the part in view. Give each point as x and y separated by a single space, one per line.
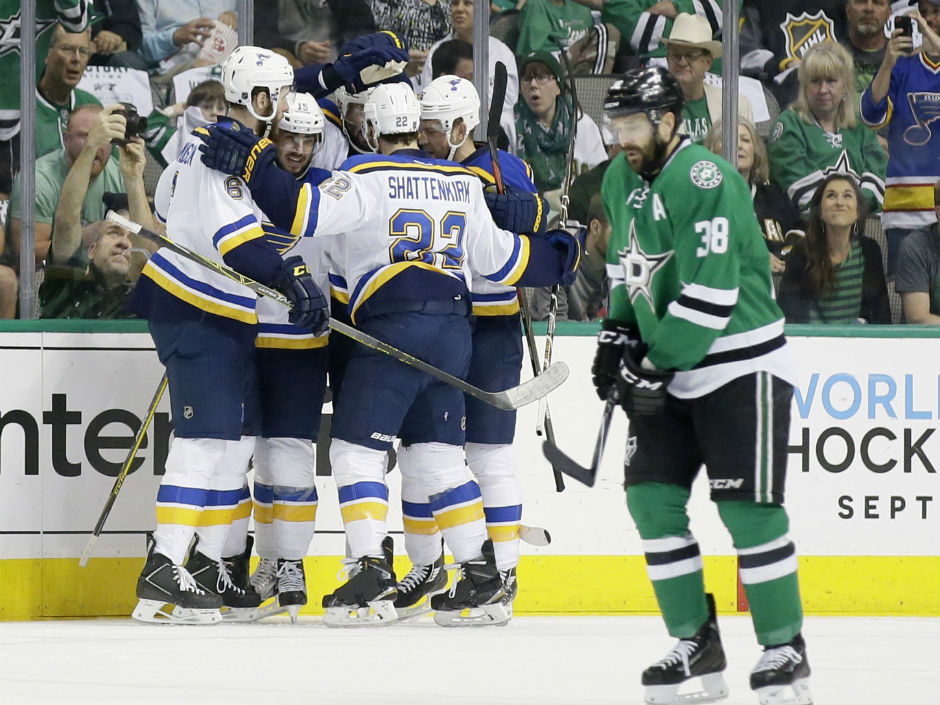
906 24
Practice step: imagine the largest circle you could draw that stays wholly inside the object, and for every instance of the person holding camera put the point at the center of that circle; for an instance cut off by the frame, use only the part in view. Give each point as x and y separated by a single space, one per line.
87 151
903 96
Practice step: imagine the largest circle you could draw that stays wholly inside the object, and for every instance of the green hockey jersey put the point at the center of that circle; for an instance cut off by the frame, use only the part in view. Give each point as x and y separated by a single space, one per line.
73 14
688 268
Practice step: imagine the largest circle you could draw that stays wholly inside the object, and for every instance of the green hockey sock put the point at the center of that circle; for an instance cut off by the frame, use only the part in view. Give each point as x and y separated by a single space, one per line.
768 565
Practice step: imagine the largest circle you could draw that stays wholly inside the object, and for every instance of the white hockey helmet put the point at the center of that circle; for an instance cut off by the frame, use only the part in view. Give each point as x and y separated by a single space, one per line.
448 99
392 109
303 115
250 67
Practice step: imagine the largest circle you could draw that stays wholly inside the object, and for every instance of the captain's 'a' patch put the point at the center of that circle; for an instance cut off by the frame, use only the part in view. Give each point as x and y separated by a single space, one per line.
705 174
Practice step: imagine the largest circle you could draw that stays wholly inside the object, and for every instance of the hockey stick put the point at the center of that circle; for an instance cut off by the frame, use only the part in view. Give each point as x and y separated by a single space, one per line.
544 416
492 132
534 535
125 469
508 399
572 469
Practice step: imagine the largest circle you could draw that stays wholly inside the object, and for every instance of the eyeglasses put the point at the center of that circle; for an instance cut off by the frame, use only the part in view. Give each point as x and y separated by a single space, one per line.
81 51
540 79
688 57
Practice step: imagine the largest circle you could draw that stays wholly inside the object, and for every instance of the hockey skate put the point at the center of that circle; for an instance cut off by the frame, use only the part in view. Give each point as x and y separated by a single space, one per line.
418 587
477 599
264 578
700 656
781 677
162 584
291 587
510 587
368 597
240 602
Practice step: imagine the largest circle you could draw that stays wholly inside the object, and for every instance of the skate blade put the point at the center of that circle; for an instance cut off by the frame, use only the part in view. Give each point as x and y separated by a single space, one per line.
241 614
494 615
797 693
292 612
713 688
379 613
156 612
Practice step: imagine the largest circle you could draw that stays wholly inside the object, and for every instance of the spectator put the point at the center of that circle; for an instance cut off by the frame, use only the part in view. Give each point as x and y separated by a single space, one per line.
865 37
775 35
904 96
206 101
57 95
544 119
690 51
90 130
117 36
585 186
819 133
565 25
778 218
835 275
100 290
311 30
174 30
644 23
419 23
453 57
461 16
72 15
586 299
918 275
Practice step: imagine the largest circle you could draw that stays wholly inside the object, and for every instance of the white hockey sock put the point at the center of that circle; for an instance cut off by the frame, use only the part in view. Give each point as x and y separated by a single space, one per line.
363 495
494 467
422 537
227 501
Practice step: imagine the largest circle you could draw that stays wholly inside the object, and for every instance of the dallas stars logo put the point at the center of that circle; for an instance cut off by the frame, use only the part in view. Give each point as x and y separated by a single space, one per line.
842 166
639 268
10 32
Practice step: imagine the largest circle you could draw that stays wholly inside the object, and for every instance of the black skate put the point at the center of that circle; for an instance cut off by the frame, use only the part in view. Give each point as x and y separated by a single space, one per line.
700 656
416 589
240 602
781 677
510 587
291 587
368 597
162 584
264 578
477 599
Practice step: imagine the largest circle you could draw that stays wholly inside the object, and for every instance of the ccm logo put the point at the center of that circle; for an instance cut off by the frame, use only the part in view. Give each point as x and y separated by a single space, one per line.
722 484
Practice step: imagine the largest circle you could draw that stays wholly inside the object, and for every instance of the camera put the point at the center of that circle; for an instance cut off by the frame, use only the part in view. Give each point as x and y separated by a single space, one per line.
906 24
136 125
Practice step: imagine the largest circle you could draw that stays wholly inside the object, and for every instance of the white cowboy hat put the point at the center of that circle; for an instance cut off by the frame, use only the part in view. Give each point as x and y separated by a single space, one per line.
693 31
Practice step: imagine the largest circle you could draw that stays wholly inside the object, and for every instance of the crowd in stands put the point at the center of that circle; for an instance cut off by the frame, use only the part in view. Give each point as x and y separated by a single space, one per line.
836 128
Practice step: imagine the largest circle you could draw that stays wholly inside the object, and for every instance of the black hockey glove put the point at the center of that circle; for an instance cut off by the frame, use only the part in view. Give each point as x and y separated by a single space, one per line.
517 211
642 392
612 341
233 149
310 308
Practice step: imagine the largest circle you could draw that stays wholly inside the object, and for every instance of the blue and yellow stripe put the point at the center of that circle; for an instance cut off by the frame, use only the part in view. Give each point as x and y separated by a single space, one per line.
230 236
363 500
458 506
418 518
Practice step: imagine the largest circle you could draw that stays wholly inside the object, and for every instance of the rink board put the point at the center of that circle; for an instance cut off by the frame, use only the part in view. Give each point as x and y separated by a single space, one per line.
862 488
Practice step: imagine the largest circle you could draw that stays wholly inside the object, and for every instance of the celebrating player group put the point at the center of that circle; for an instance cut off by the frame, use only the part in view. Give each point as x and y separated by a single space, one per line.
379 213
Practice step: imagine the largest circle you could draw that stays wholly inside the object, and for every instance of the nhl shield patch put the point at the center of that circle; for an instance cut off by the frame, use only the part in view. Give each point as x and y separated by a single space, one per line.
705 174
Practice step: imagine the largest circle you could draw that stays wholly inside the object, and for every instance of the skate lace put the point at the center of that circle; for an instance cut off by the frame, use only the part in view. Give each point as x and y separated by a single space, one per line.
290 578
680 654
777 657
224 582
417 575
350 568
265 572
186 581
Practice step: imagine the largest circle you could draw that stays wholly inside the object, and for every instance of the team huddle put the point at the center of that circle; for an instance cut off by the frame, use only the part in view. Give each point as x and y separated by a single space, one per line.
398 234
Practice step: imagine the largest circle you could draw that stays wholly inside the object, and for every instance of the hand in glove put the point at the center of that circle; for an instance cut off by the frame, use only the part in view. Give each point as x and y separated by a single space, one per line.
370 65
309 306
517 211
612 342
641 388
572 244
233 149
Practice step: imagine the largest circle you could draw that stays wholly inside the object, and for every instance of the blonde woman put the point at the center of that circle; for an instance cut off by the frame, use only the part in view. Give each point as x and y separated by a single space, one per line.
778 217
819 133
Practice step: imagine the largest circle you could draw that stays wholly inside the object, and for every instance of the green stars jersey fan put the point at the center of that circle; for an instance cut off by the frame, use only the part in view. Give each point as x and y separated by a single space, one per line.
689 269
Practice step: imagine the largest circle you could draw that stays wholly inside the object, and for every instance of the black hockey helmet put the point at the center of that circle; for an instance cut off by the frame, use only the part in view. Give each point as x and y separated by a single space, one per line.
651 90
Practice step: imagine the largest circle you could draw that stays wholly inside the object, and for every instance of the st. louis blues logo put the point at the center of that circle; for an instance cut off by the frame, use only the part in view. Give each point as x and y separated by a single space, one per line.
925 108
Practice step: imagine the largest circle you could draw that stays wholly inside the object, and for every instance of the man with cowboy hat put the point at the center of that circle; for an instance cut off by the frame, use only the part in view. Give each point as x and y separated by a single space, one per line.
690 51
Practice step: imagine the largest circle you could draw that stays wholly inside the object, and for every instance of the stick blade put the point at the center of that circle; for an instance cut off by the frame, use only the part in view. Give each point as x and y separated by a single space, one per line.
534 389
535 535
564 464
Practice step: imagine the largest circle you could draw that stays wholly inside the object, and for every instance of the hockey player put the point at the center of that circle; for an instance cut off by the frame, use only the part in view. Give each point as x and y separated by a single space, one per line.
204 326
291 365
693 349
450 110
414 230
